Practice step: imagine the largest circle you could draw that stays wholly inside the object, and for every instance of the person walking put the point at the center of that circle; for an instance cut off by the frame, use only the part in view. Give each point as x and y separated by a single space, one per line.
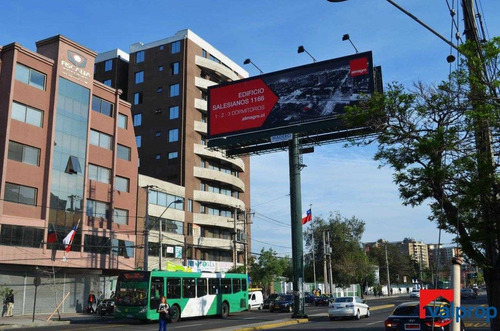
100 297
164 310
90 303
10 303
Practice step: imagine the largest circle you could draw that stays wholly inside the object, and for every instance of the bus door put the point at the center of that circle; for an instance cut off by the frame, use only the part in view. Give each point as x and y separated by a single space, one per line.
157 290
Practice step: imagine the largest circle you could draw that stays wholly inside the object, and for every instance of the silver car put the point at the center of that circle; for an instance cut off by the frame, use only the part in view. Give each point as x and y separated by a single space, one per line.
348 307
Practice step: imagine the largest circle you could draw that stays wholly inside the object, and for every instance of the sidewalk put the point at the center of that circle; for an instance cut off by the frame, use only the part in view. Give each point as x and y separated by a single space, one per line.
26 321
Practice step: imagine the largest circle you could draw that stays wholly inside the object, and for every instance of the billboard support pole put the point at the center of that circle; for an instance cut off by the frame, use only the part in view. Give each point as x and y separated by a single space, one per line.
296 219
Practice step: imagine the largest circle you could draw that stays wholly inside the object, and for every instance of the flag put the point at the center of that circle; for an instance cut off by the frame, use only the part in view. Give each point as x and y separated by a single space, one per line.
51 234
68 240
307 216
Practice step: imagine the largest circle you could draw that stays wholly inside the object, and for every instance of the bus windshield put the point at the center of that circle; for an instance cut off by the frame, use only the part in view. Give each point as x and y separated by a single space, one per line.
132 289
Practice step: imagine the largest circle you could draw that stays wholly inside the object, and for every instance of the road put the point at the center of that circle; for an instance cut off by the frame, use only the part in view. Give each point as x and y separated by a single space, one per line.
318 320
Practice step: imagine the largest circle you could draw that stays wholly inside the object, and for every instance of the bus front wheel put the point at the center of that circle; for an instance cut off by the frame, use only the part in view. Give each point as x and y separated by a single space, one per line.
175 313
224 311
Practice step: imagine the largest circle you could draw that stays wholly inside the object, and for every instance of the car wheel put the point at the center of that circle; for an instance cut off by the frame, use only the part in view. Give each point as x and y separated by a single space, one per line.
261 306
367 312
358 316
249 307
224 310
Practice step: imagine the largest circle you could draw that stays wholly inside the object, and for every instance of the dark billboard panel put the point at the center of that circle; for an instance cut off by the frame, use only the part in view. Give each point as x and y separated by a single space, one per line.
293 100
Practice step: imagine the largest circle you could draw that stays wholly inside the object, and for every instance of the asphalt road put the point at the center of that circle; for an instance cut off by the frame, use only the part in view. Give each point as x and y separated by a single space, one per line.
318 320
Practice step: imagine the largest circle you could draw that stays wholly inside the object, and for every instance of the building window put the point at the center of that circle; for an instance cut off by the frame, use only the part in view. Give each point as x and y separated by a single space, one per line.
122 248
165 199
173 155
24 236
157 157
120 216
213 58
20 194
203 118
159 89
97 209
137 119
30 76
122 121
174 68
139 57
100 174
107 82
24 153
173 135
100 139
174 90
174 112
96 244
190 205
203 53
160 68
158 134
108 65
102 106
139 77
123 152
137 98
138 141
122 184
27 114
176 47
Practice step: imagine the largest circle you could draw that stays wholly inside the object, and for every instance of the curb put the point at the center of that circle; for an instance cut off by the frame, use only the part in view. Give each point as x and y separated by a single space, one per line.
274 325
33 325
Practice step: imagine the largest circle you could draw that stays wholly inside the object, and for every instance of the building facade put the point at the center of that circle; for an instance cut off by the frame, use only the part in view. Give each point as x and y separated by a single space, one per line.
68 161
167 87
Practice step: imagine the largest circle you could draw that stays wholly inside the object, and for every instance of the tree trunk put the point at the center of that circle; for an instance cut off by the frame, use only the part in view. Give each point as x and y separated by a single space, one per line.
492 280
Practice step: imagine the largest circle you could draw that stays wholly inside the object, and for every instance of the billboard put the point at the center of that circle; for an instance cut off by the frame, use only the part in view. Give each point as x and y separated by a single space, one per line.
302 100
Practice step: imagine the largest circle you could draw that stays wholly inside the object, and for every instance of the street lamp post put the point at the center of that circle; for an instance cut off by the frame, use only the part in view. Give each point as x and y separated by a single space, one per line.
160 253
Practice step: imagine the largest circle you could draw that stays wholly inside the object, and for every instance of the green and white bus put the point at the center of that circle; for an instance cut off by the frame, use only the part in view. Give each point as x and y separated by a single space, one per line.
189 294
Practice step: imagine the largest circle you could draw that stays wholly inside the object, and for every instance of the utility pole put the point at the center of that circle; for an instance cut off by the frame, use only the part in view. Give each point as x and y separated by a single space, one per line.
387 268
329 250
325 274
146 232
314 259
235 236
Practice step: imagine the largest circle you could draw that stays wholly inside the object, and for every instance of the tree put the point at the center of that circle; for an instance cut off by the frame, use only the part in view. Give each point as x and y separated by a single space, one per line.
441 142
266 268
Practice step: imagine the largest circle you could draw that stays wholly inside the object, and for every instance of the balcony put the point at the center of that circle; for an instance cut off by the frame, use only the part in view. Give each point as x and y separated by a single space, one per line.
212 220
202 151
219 199
214 242
201 104
216 68
200 127
203 84
220 177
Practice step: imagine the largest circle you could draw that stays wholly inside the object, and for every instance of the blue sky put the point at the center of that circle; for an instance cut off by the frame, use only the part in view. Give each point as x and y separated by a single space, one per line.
269 32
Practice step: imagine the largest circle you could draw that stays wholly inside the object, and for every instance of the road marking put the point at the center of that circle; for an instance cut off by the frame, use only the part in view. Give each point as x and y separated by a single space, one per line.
250 318
187 326
382 307
375 322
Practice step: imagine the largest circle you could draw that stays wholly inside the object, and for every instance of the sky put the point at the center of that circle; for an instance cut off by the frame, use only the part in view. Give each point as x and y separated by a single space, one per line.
336 179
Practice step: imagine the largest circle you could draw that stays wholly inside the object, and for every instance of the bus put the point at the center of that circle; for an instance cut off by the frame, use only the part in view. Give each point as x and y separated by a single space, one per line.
189 294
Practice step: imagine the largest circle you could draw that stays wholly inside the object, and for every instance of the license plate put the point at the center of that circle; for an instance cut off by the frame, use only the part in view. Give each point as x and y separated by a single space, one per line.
130 316
412 326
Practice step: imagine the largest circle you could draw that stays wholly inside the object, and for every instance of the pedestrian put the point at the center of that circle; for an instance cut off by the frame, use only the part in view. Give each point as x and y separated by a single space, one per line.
10 303
100 297
90 303
164 310
112 296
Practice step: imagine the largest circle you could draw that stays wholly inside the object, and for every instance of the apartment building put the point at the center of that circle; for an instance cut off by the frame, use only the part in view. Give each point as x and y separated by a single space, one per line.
68 161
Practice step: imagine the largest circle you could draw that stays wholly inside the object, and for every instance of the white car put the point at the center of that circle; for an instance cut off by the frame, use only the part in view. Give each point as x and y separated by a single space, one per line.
348 307
415 293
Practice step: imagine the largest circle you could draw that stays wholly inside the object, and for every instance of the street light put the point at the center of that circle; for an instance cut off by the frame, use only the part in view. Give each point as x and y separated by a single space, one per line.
346 37
301 49
248 61
160 254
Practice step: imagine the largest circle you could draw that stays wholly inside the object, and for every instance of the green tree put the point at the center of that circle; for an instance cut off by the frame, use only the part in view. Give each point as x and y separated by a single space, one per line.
266 268
441 142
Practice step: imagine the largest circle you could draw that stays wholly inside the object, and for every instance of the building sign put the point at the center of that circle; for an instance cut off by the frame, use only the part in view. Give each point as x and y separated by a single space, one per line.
75 67
209 266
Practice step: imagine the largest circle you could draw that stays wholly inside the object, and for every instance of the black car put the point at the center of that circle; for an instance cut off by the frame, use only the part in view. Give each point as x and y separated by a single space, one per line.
323 300
282 303
406 317
271 298
107 306
310 298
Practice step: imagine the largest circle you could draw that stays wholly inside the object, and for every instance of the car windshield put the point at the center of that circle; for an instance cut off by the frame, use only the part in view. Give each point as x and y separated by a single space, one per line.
272 296
285 298
346 299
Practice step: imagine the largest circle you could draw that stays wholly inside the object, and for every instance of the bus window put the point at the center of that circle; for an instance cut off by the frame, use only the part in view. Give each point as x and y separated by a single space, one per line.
236 285
243 284
188 288
157 289
201 287
173 288
225 285
213 286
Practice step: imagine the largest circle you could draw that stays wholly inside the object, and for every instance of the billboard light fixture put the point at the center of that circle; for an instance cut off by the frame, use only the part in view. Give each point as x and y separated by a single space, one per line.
301 49
346 37
248 61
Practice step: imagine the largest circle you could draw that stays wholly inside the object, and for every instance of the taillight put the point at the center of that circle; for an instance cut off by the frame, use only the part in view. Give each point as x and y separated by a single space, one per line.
439 322
391 324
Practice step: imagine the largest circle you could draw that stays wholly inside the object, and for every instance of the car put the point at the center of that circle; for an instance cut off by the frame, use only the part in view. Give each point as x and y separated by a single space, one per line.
406 317
415 293
309 298
467 293
271 298
283 302
107 306
255 300
323 300
350 306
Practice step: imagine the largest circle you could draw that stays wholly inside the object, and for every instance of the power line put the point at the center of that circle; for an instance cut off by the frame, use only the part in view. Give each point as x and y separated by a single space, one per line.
272 200
272 219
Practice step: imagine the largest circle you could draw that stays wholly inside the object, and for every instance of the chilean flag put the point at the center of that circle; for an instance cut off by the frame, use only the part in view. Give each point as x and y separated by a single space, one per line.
307 216
51 234
69 238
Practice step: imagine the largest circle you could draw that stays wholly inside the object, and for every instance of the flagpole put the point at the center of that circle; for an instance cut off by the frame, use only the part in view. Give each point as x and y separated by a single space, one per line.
314 259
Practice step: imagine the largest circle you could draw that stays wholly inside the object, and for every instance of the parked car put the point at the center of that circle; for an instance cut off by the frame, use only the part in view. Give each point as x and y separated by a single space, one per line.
323 300
352 306
271 298
310 298
406 317
415 293
255 300
284 302
467 293
107 306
